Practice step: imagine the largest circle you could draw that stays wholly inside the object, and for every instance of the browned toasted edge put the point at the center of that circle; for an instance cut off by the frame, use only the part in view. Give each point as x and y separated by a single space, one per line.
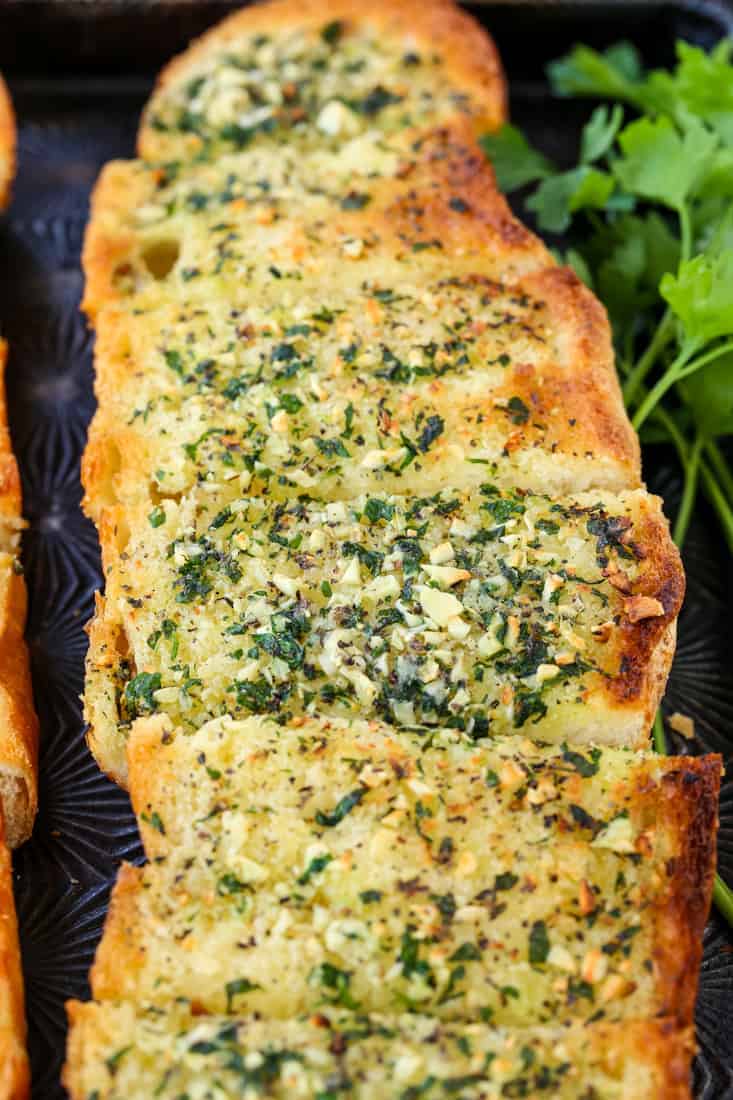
468 50
664 1048
647 645
689 790
120 952
8 139
14 1069
18 721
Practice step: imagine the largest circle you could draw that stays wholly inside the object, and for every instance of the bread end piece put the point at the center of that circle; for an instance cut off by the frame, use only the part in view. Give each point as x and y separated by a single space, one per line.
7 144
18 721
14 1070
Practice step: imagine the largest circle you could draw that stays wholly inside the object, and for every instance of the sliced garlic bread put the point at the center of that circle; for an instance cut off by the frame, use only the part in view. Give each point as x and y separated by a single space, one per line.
116 1053
14 1071
295 75
18 723
185 232
333 863
492 613
433 383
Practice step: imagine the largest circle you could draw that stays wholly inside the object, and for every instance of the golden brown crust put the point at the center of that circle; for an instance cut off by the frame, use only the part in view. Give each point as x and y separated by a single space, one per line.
469 53
7 144
18 722
690 789
659 1045
121 953
107 643
14 1071
10 497
647 645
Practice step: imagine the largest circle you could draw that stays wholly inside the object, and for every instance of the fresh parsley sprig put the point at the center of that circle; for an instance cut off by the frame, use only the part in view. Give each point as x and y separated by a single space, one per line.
646 216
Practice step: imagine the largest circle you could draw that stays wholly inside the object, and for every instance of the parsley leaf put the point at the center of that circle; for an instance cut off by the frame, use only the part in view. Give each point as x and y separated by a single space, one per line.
513 159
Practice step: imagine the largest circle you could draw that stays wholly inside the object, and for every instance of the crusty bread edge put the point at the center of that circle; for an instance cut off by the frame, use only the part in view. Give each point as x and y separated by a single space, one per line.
690 789
8 139
14 1069
18 721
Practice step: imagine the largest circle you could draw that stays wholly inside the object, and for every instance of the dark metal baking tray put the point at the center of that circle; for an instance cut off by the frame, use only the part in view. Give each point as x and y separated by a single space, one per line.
80 74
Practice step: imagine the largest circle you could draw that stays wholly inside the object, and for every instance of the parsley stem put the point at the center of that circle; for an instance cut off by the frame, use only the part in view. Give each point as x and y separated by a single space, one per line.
689 492
710 483
703 360
660 739
685 232
718 500
657 392
720 467
657 343
723 899
680 368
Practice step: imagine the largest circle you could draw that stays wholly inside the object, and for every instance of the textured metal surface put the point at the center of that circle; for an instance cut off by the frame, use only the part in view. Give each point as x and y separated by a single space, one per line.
63 875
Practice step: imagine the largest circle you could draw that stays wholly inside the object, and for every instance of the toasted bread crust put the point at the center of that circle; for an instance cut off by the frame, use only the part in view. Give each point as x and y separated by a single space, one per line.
571 435
469 53
14 1070
7 144
18 721
691 798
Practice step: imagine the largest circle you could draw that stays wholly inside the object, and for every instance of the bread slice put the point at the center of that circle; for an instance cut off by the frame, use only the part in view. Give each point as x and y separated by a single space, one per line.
18 722
14 1071
184 231
492 613
352 864
7 144
286 73
116 1053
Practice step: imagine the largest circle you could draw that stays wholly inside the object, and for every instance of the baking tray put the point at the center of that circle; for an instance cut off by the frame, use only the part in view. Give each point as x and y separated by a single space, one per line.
80 74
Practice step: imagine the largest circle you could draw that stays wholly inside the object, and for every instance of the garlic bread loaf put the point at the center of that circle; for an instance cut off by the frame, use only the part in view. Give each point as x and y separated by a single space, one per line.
118 1053
351 864
388 610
